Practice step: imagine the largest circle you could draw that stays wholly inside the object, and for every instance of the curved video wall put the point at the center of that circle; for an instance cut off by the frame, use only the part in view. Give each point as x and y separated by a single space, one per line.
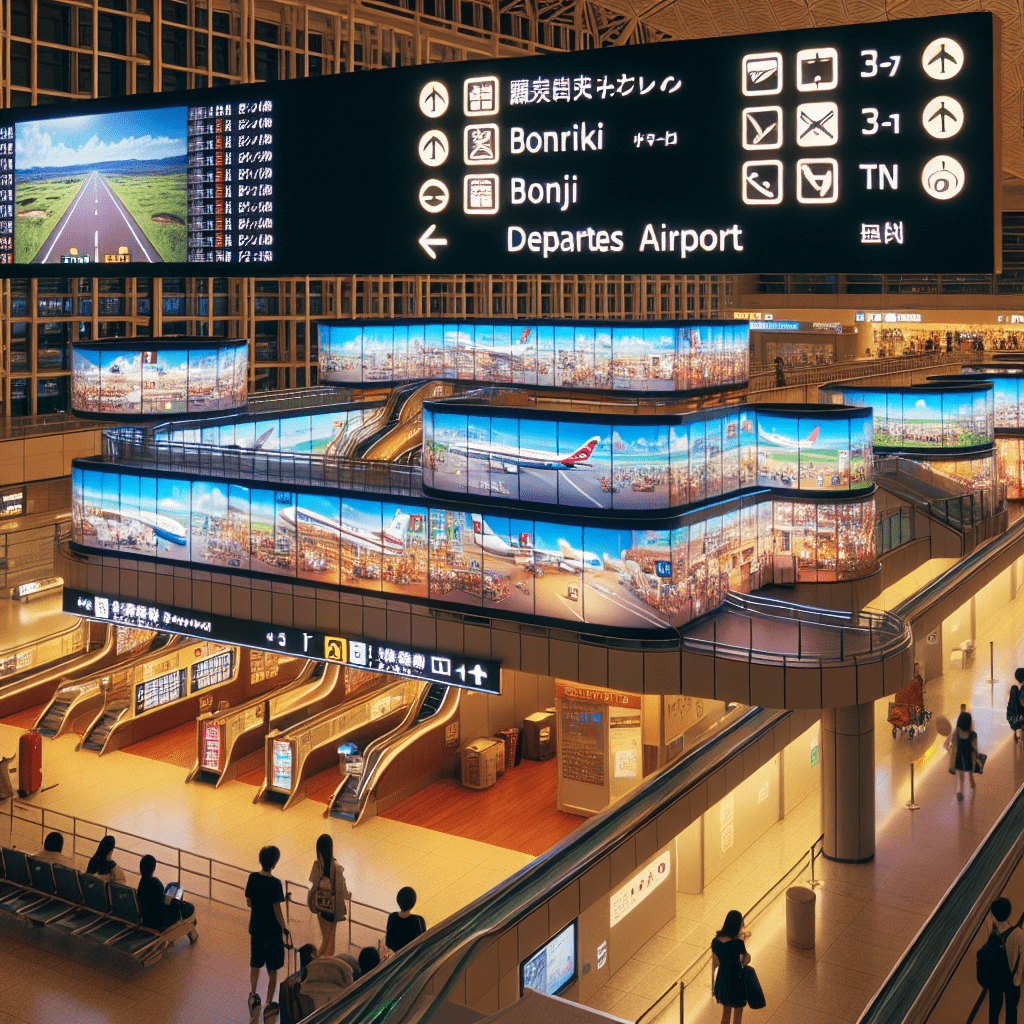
159 377
554 569
299 433
642 462
1006 382
940 416
631 356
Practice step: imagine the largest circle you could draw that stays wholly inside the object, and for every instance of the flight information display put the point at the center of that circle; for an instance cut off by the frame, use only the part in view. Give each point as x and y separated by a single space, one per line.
862 148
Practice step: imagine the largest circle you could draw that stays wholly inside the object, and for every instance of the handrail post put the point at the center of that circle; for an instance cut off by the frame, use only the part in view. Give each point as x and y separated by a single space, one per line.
682 1002
911 805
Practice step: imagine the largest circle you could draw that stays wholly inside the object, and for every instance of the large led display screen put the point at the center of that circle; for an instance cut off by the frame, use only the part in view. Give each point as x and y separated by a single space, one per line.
666 356
604 575
926 417
329 432
159 378
860 148
642 462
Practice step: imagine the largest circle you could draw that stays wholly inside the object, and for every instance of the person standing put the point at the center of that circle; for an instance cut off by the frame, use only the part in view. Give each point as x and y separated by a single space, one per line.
963 751
327 894
403 924
728 957
1014 708
1014 943
264 895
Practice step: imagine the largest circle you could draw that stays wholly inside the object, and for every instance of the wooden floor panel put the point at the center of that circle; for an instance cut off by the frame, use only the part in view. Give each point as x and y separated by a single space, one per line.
175 746
519 812
24 719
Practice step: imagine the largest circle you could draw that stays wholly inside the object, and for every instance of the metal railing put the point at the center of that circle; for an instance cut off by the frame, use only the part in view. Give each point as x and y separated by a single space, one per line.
894 528
823 636
199 875
138 447
964 507
764 380
676 992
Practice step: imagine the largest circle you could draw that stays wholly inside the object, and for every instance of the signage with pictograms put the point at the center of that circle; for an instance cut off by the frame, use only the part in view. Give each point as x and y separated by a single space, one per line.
865 148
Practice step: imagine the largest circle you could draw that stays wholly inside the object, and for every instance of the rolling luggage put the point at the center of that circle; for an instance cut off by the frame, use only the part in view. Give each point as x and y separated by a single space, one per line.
30 763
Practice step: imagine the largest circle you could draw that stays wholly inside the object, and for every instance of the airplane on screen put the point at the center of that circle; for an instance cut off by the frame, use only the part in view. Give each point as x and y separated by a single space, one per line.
513 350
511 460
389 542
788 442
566 558
163 526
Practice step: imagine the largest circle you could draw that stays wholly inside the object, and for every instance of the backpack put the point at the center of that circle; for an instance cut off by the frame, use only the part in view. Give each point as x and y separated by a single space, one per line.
993 965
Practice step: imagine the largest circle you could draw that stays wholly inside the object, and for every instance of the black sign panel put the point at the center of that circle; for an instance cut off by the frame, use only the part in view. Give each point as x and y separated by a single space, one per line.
377 656
866 148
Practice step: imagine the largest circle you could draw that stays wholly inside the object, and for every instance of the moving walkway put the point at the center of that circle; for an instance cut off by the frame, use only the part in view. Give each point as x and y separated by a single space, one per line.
400 762
231 742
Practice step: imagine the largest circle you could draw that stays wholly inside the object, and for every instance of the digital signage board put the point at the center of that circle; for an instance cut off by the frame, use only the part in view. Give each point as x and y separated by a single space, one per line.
862 148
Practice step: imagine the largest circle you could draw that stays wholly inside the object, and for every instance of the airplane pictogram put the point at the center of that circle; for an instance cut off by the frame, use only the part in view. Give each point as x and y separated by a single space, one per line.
942 117
942 58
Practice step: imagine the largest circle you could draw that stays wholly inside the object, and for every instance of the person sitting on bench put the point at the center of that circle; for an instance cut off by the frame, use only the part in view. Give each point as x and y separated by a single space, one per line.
53 851
159 910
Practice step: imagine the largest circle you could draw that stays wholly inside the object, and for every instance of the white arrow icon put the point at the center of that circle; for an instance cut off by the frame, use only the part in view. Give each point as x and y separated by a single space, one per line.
428 241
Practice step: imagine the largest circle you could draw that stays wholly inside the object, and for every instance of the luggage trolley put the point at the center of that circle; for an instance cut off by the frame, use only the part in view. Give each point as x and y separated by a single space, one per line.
907 714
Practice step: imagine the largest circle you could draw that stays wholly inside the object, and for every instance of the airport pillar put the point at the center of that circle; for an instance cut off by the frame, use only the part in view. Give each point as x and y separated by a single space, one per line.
848 782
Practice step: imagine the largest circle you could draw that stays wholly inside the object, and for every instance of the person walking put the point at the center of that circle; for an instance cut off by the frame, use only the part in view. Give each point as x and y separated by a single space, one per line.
327 894
101 865
780 372
1014 708
1013 942
264 895
963 751
728 958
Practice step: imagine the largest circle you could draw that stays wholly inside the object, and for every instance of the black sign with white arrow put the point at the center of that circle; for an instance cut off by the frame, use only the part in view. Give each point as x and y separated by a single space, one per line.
859 149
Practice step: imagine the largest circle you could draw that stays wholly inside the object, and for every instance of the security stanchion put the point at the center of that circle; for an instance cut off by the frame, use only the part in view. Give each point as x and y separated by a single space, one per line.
911 805
991 663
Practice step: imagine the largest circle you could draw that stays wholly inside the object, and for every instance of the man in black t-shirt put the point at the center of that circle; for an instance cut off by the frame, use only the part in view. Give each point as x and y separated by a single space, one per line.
264 895
404 925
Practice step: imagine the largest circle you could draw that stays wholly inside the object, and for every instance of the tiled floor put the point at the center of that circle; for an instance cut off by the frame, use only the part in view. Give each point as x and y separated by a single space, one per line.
866 913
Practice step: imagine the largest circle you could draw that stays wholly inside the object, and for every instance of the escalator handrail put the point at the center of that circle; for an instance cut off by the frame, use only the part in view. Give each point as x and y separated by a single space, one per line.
914 986
375 749
390 995
385 754
913 607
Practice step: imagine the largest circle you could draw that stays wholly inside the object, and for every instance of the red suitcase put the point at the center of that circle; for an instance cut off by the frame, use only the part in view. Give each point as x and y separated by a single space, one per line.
30 763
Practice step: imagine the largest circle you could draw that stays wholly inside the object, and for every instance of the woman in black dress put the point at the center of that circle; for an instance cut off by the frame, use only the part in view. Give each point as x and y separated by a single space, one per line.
963 751
728 957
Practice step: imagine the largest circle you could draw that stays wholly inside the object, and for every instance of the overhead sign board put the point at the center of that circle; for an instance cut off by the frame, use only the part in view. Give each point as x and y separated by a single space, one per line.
864 148
430 666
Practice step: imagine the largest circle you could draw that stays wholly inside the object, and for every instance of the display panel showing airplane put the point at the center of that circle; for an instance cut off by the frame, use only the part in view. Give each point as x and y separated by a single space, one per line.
511 460
788 442
390 541
163 526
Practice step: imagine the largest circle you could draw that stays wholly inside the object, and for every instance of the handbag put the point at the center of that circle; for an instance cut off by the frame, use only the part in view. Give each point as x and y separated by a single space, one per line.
979 763
752 989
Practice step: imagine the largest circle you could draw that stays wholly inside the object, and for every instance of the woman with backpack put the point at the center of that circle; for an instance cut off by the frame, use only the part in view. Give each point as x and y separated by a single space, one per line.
1014 708
327 893
1000 963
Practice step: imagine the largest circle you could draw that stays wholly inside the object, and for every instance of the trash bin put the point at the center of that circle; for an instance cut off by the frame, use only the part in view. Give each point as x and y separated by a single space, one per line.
800 917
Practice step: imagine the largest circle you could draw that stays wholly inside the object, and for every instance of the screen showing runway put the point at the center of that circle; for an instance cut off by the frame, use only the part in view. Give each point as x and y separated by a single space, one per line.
103 188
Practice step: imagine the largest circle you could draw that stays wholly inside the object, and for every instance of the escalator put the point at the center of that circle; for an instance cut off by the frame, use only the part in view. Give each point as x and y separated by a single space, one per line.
231 742
404 760
399 429
82 699
37 686
96 737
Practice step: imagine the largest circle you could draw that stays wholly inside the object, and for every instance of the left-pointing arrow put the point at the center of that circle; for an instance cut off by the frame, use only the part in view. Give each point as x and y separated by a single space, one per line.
428 241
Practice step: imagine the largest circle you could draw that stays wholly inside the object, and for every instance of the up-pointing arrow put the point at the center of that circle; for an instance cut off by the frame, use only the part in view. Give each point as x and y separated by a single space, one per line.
428 241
